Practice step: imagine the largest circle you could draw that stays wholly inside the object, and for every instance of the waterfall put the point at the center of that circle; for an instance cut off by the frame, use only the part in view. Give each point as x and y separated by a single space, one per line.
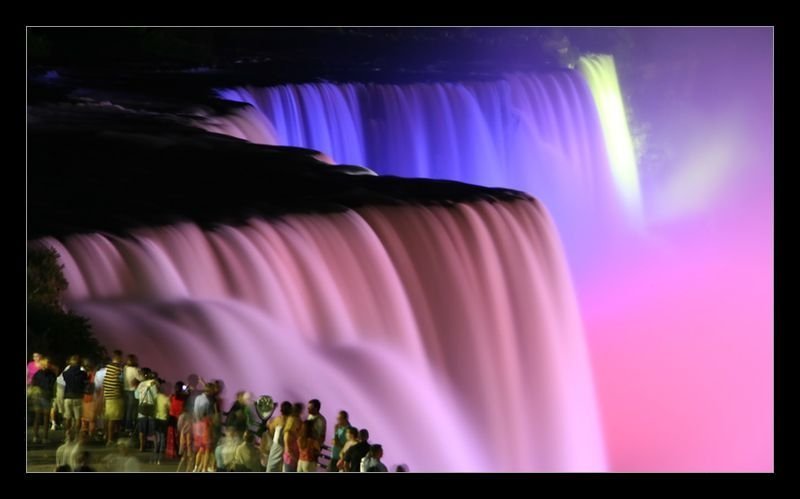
536 132
451 333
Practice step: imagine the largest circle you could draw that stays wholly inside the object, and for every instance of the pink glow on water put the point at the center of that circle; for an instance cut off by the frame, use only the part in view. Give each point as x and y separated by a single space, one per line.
452 334
684 364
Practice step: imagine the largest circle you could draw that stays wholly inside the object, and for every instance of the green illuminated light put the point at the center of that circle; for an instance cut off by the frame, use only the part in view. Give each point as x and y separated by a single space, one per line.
601 75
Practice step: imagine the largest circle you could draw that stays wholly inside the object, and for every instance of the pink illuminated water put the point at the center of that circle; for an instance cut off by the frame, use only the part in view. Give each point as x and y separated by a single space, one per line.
451 333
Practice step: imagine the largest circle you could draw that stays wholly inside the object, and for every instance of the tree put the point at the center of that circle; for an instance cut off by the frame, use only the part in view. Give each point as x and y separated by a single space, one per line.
52 330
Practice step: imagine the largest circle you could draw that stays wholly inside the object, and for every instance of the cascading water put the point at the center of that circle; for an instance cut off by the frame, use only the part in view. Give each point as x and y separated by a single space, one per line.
539 133
451 333
683 309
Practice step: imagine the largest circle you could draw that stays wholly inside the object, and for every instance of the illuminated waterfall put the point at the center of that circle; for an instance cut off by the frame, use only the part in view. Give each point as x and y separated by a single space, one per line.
452 334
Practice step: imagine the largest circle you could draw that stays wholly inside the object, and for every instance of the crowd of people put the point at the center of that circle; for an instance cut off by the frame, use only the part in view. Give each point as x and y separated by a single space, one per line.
124 405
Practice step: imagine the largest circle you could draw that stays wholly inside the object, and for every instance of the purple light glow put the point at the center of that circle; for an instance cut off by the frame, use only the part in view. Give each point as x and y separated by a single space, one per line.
537 133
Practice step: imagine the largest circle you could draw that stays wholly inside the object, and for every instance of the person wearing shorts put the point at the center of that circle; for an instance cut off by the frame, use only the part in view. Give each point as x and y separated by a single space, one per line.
75 380
112 392
41 397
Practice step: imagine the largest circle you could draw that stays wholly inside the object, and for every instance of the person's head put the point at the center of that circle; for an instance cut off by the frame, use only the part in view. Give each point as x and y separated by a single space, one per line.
297 409
74 360
64 467
243 398
133 361
286 408
88 365
363 435
313 407
342 418
36 357
149 374
43 363
124 446
116 356
401 468
376 451
181 388
352 433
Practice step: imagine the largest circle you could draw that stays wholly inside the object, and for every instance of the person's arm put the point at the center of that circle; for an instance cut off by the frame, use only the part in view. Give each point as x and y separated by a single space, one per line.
99 376
271 427
288 433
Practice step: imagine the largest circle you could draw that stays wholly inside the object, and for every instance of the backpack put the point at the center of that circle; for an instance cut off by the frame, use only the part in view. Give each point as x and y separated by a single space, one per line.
147 402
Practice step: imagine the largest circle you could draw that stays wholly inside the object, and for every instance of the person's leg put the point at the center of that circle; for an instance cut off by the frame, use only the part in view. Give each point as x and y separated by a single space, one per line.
212 459
184 452
204 461
197 459
161 440
68 414
128 419
38 415
46 410
114 412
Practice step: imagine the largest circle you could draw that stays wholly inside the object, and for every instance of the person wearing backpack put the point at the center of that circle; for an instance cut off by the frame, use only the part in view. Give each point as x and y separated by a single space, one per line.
146 394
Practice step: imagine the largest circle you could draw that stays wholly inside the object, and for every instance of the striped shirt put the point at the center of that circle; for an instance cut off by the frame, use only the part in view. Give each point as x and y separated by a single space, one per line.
112 383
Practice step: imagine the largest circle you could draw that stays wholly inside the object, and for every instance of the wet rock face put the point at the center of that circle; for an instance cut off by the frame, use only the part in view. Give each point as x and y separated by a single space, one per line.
101 167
